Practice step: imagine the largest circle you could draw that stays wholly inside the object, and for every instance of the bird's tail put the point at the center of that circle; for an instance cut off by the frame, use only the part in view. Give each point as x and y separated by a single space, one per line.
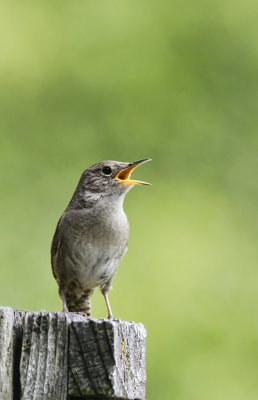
79 303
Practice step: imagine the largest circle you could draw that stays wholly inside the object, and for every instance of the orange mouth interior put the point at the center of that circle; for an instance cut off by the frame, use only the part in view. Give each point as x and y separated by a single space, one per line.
124 175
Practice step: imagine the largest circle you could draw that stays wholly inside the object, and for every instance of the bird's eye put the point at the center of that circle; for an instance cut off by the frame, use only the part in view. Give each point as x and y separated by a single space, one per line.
106 170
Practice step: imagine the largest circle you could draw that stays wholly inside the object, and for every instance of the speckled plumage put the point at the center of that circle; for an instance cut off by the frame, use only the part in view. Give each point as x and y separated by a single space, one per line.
91 236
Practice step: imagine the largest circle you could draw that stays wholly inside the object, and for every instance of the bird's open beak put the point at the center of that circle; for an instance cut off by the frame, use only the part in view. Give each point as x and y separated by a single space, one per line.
124 175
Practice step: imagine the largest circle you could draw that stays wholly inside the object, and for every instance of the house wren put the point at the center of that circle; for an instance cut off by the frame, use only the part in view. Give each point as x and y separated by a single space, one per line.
91 235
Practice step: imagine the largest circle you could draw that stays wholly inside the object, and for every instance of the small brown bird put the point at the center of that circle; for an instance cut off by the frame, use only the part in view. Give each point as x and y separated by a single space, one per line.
91 236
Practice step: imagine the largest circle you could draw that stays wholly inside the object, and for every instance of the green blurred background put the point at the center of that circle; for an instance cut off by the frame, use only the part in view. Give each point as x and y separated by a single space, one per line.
84 81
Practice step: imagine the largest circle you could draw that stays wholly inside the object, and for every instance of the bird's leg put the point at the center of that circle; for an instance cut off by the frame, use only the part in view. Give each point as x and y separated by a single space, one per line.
105 294
62 294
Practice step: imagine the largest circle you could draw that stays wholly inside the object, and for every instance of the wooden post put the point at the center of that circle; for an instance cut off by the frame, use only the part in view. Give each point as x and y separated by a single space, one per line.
58 356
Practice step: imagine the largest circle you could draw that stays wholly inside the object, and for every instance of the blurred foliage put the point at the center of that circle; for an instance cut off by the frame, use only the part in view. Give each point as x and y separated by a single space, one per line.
176 81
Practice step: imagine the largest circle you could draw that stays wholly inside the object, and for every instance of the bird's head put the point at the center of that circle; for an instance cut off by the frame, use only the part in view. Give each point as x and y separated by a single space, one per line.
107 178
111 176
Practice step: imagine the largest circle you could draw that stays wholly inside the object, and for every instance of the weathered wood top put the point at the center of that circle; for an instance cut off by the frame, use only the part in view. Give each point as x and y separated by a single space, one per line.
58 356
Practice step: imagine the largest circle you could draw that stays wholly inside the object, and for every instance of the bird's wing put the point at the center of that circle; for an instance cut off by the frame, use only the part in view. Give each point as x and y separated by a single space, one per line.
55 248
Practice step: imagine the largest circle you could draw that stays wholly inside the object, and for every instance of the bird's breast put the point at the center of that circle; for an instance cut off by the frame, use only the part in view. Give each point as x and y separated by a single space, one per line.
96 245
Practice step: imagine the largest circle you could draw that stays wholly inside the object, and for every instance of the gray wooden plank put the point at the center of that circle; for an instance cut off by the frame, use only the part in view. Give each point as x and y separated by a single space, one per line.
6 353
106 358
43 365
